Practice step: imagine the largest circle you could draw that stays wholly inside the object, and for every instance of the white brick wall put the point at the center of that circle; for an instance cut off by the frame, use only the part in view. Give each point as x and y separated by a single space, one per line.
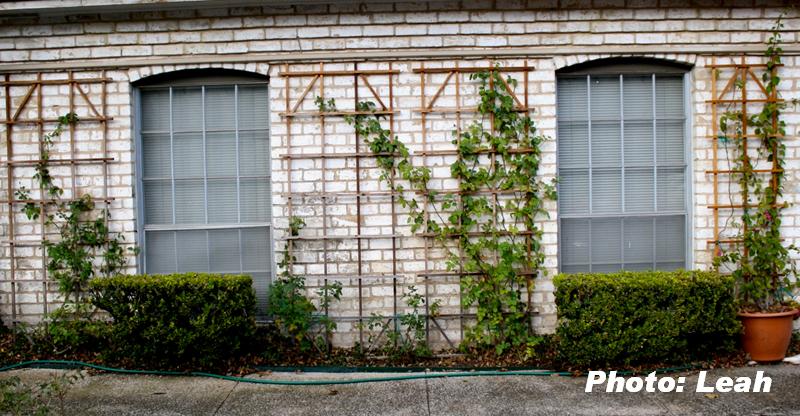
164 37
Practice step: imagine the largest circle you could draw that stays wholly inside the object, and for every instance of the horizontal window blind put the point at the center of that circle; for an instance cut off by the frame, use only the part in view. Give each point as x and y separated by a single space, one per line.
622 172
206 181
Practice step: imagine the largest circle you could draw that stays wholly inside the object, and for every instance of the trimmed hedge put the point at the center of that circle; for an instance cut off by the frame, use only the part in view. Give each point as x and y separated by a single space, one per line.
177 320
630 318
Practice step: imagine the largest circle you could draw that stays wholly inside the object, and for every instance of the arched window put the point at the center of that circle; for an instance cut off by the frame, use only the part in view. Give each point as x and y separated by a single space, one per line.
203 174
622 166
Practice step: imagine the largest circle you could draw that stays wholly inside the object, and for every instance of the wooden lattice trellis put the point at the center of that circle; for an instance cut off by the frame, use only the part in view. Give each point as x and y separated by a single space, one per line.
313 85
293 105
428 106
741 78
34 95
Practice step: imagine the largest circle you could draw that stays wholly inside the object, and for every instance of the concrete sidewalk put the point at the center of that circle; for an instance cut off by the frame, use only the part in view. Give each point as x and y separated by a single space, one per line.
107 394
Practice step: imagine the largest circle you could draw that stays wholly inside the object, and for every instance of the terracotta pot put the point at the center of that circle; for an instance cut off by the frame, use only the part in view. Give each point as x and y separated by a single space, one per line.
767 335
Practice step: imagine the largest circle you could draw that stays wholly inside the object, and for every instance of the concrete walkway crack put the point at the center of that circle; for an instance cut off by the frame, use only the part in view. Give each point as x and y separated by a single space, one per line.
216 412
428 396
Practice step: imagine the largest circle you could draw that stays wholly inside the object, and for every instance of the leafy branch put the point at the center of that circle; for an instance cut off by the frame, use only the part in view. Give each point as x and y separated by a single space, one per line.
83 239
293 311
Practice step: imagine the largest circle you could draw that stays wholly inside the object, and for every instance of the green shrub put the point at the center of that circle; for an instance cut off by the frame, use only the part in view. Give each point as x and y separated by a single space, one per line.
630 318
177 320
70 329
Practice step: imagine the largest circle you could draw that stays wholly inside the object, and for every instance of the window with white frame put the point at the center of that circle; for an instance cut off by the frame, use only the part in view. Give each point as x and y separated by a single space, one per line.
204 177
622 169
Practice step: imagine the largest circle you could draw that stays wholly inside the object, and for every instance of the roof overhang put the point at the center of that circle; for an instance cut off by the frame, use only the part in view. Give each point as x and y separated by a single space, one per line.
69 7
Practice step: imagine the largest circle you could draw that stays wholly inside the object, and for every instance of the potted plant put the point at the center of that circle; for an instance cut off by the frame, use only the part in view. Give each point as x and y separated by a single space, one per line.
762 264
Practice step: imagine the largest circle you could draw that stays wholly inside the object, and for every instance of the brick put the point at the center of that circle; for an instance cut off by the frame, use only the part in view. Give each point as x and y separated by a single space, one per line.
153 38
121 38
421 17
199 48
217 36
185 37
130 26
105 52
167 49
37 30
28 43
259 21
195 24
313 32
162 25
231 48
650 38
619 38
67 29
99 27
290 20
346 31
227 23
139 50
281 33
405 30
45 55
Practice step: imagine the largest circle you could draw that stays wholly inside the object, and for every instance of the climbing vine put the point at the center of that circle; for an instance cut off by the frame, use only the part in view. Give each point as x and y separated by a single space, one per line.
492 218
763 264
85 246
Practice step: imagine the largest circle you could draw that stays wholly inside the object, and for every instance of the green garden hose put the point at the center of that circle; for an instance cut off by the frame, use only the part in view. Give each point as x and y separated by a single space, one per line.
61 364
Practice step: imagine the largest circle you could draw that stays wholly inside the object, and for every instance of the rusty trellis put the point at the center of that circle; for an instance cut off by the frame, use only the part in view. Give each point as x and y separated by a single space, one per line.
455 76
315 81
312 84
741 79
34 95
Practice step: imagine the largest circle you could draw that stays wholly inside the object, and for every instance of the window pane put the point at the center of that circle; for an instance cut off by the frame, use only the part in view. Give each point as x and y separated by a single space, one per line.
638 143
156 155
605 98
638 97
669 97
158 201
671 187
572 99
220 108
671 242
190 201
188 155
253 107
670 140
256 203
606 191
155 110
606 145
255 249
187 109
221 154
573 192
639 190
254 153
638 243
224 250
192 251
575 242
606 244
222 204
160 251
